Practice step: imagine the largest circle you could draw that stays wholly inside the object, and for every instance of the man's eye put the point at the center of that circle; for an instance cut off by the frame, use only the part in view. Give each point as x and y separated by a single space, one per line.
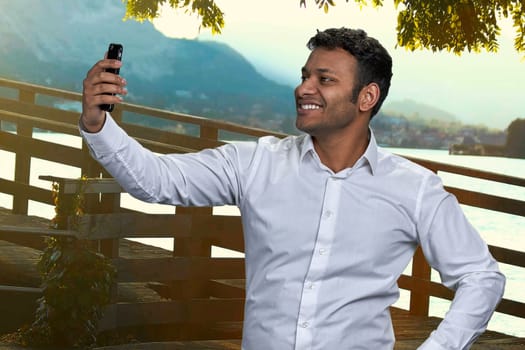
325 79
303 78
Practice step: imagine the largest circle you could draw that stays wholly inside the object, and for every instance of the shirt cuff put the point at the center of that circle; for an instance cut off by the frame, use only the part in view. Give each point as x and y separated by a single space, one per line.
107 140
431 344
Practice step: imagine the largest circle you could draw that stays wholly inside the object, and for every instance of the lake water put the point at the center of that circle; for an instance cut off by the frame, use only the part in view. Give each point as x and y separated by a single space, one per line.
496 228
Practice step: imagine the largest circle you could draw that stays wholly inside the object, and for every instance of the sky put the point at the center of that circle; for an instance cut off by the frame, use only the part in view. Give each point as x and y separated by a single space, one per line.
478 88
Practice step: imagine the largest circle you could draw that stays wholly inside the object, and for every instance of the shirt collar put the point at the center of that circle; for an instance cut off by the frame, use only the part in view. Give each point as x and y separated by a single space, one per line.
370 154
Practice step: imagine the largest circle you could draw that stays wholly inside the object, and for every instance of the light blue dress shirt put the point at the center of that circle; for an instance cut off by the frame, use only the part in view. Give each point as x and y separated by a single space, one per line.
323 250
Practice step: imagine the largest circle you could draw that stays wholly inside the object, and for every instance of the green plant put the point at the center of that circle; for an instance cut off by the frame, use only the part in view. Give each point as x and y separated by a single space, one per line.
74 207
76 283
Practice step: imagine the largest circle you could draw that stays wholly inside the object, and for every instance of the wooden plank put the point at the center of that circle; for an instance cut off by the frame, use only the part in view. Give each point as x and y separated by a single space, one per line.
220 225
40 89
475 173
99 226
233 241
10 187
90 185
200 121
24 290
228 344
226 289
511 307
506 306
186 141
149 270
487 201
119 225
34 193
17 307
178 268
42 113
218 268
34 148
65 126
7 232
197 311
508 256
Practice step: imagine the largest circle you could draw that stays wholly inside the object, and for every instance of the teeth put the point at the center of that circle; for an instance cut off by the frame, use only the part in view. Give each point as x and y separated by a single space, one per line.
310 106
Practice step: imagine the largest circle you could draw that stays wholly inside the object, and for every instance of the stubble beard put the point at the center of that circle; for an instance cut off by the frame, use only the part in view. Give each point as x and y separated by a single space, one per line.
326 127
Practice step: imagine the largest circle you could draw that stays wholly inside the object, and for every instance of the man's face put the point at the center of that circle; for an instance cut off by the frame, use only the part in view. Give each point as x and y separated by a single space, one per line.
324 97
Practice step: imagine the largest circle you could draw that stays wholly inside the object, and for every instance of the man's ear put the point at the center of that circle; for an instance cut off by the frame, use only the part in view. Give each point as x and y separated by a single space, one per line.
368 97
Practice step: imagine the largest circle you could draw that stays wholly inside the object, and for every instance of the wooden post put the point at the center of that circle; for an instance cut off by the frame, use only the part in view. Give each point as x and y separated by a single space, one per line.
192 246
22 171
23 157
192 288
420 295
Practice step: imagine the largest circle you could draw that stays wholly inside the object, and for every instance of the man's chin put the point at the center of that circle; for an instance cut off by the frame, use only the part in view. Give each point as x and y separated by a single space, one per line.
304 128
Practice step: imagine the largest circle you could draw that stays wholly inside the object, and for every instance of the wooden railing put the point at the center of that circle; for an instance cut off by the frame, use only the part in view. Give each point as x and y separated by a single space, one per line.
201 290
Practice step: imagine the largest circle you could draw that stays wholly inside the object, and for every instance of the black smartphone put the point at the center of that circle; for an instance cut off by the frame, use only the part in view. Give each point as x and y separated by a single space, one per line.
114 52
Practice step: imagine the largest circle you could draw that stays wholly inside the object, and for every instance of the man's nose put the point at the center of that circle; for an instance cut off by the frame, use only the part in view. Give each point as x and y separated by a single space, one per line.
306 87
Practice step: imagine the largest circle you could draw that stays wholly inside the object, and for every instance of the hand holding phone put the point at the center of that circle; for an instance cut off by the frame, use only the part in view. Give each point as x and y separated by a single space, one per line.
114 52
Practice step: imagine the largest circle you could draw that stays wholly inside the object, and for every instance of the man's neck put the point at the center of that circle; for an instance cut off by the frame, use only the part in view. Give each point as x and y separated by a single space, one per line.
339 152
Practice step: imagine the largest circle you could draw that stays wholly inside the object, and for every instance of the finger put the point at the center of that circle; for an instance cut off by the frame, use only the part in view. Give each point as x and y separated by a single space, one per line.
104 64
100 89
102 82
95 101
109 89
93 98
109 78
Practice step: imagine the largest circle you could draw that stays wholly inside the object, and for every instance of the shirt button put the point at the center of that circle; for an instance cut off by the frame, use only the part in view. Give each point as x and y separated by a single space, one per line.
328 214
322 251
310 285
305 324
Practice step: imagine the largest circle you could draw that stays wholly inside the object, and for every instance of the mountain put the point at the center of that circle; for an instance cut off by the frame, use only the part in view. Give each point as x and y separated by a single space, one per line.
411 109
55 42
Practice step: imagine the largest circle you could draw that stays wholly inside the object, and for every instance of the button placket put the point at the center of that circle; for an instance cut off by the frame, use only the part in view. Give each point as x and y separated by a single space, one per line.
318 264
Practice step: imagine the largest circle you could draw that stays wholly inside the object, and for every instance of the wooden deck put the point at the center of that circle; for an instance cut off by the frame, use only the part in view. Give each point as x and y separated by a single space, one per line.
18 266
236 345
486 342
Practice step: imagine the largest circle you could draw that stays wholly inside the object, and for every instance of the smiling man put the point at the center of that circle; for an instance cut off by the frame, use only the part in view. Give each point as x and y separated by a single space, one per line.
330 219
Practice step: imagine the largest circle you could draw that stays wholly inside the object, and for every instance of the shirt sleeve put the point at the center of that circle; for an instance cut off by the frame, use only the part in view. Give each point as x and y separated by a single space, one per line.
455 249
205 178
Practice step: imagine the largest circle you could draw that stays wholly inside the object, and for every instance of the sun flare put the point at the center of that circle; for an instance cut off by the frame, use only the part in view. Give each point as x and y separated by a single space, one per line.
177 23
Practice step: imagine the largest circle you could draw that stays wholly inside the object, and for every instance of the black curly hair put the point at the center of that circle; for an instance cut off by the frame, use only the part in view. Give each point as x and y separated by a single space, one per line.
374 64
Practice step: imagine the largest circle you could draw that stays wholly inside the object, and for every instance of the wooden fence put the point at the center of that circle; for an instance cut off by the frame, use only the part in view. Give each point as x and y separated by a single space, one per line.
204 295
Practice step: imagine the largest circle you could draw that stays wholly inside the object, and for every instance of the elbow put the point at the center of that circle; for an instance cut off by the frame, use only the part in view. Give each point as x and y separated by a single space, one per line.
493 282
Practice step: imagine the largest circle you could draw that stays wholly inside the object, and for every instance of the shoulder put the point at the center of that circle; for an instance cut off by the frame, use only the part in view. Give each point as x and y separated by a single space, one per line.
390 163
286 143
264 149
407 177
270 144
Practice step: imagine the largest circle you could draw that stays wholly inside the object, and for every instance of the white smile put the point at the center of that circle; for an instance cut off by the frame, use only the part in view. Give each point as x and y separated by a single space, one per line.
310 106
